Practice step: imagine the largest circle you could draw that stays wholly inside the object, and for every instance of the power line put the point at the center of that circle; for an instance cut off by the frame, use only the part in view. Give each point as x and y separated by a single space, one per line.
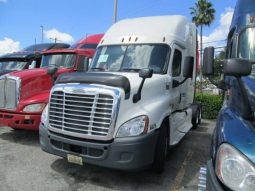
217 47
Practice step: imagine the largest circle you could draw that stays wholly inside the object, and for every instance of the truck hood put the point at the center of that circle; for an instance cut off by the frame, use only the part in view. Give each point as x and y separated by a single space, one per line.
35 81
155 100
155 97
237 132
30 74
234 129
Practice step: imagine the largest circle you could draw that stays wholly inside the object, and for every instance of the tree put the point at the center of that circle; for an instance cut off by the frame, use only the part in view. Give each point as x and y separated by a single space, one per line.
218 65
202 14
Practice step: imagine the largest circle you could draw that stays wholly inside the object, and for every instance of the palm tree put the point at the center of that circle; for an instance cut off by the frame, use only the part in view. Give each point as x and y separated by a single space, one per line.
202 14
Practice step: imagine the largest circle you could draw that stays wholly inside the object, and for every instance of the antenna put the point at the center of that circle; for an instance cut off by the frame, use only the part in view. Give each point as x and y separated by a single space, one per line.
35 45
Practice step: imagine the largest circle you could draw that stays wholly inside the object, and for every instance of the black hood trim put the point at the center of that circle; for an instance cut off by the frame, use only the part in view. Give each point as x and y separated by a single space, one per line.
96 78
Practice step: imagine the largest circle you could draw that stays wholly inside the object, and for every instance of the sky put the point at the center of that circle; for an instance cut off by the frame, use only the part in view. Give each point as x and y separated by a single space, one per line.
22 22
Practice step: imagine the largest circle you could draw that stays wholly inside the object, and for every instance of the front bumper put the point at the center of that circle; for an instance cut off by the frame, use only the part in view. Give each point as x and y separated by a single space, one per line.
208 180
134 153
20 121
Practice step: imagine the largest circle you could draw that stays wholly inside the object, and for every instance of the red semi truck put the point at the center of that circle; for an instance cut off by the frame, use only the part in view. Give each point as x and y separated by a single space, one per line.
24 94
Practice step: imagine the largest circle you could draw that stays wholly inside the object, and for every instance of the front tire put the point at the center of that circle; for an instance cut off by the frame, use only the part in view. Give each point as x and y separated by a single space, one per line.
160 150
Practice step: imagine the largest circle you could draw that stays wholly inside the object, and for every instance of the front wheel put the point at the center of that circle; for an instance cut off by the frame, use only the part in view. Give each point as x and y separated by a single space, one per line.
160 150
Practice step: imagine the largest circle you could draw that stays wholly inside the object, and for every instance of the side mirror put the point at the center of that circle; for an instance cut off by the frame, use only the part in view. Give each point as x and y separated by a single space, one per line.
145 73
83 64
237 67
52 70
208 61
32 65
188 67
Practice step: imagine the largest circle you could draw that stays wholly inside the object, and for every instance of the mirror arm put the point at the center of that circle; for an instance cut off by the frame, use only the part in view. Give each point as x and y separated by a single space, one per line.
177 83
137 96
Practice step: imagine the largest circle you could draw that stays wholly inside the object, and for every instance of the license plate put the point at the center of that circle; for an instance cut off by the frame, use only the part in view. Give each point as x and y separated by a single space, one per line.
74 159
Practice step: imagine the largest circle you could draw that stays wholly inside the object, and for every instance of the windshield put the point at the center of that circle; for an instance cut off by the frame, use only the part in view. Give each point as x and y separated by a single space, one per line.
12 65
59 60
131 58
246 47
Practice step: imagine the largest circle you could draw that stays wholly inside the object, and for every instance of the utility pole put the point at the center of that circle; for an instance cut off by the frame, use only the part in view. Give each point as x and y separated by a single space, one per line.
42 32
35 45
115 11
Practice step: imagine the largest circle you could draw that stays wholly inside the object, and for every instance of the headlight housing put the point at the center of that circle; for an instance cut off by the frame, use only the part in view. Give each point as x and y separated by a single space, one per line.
38 107
134 127
233 169
44 116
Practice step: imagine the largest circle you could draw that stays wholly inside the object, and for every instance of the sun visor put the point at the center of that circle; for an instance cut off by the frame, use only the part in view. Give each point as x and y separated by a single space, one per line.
97 78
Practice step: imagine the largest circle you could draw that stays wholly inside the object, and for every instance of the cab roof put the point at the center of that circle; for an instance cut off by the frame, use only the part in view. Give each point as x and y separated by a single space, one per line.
155 29
243 10
88 42
33 51
84 45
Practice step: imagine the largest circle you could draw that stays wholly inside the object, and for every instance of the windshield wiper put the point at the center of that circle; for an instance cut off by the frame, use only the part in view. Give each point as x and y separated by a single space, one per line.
131 69
98 69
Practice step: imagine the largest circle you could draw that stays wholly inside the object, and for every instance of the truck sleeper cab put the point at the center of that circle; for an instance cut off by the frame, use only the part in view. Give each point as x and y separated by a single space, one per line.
25 93
134 102
232 158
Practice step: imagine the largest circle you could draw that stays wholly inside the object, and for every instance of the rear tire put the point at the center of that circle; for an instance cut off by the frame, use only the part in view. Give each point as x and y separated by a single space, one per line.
160 150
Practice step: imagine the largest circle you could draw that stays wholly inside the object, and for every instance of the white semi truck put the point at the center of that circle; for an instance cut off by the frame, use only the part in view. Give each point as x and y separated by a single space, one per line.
134 103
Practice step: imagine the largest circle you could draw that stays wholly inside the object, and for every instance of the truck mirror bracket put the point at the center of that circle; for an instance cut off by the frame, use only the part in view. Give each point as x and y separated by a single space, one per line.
176 83
143 73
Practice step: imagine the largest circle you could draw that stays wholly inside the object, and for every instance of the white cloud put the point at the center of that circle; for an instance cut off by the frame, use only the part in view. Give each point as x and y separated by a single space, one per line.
3 1
59 36
219 33
8 45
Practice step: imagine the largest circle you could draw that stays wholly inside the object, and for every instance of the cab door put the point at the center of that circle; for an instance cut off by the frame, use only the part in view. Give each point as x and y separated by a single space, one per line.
177 77
179 123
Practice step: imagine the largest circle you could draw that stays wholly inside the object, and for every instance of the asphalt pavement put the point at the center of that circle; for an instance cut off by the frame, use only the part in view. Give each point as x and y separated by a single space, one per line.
24 166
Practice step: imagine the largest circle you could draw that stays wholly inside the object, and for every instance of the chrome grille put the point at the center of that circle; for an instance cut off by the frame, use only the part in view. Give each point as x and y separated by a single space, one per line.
2 93
89 114
9 94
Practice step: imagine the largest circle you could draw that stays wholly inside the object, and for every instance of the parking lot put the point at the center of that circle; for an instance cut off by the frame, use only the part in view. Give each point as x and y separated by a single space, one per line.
24 166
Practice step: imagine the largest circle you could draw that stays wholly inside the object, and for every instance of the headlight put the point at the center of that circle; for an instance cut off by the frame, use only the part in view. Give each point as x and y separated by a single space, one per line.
44 117
34 107
234 170
134 127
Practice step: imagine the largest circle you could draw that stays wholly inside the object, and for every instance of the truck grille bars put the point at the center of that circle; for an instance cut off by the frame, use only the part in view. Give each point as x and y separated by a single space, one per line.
82 114
9 92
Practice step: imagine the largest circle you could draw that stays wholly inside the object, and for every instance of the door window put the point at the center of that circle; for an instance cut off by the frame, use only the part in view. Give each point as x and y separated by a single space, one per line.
177 63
